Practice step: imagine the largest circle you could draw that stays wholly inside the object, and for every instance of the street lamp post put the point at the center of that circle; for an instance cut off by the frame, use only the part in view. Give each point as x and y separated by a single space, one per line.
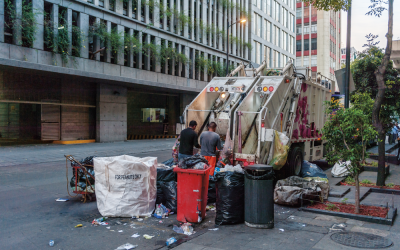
227 43
348 44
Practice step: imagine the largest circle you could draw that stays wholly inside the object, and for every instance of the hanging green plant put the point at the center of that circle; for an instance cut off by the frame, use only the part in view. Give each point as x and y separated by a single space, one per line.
132 43
27 22
77 40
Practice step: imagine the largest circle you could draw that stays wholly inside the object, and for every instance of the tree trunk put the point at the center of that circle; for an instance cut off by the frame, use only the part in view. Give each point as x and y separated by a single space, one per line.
379 74
357 197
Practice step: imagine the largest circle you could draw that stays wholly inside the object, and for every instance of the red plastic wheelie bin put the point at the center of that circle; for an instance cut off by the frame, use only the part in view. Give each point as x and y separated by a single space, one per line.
192 194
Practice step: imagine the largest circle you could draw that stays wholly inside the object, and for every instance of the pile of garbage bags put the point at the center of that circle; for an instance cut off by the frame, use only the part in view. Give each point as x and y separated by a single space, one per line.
340 169
84 181
167 186
311 170
229 198
291 190
194 162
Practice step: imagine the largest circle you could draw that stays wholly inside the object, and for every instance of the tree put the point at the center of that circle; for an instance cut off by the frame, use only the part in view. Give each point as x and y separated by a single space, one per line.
376 9
347 132
363 69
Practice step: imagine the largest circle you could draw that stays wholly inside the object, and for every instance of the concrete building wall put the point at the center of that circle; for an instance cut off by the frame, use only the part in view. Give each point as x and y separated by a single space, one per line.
111 113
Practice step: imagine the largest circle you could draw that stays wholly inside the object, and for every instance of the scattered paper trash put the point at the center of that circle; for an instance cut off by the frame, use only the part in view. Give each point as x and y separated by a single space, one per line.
140 219
108 227
161 211
79 225
135 235
61 199
282 230
125 224
171 241
120 231
118 222
160 221
214 229
210 207
126 246
51 243
148 237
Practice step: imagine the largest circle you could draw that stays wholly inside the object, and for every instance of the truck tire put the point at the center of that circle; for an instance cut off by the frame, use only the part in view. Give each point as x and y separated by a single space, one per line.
295 160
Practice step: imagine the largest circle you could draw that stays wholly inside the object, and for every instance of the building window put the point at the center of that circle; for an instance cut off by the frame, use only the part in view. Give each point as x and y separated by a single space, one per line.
306 12
258 52
313 43
277 11
291 45
298 45
101 3
76 43
111 4
313 61
306 61
299 13
298 62
299 30
267 52
268 7
267 31
306 29
314 28
306 44
125 8
259 26
277 34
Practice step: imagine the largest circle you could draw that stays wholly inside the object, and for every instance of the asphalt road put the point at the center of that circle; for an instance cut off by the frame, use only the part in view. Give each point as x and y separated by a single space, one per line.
30 217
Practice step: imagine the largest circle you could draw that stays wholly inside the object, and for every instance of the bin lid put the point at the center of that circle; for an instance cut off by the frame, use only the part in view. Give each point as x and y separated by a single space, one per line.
259 167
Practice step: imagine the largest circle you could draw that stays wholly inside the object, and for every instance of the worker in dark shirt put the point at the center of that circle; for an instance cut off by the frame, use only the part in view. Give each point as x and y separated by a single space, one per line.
188 140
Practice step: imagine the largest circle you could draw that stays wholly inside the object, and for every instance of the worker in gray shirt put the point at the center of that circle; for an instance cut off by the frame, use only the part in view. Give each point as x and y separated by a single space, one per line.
210 142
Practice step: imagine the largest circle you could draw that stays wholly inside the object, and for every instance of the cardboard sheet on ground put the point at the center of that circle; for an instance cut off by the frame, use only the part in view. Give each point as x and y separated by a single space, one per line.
125 185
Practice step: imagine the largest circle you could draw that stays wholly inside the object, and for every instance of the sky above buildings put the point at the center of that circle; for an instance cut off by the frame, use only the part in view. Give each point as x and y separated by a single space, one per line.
362 24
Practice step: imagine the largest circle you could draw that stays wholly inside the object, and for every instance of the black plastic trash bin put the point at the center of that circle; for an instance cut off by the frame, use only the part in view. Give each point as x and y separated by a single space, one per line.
259 196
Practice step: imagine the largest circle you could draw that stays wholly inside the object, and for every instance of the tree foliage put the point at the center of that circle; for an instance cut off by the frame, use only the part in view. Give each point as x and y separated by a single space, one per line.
363 69
347 132
327 5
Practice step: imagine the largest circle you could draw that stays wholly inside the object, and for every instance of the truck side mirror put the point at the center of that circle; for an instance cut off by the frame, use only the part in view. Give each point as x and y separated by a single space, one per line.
181 120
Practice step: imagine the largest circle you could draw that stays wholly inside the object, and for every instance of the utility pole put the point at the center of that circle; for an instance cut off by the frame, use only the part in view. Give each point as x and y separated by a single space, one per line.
348 44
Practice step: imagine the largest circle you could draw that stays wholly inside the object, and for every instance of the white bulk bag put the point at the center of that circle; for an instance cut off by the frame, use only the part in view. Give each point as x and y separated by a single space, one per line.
125 185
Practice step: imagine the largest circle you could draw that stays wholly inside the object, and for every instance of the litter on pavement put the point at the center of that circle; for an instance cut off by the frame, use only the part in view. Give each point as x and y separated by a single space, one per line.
135 235
214 229
171 241
282 230
338 227
185 228
61 199
148 237
100 221
120 231
79 225
126 246
161 211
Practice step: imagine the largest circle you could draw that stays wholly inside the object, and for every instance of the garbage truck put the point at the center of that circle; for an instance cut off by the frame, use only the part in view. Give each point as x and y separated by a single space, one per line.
264 114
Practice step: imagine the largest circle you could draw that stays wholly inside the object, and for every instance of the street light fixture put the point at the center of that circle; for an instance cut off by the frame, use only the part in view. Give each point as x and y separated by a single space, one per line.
227 42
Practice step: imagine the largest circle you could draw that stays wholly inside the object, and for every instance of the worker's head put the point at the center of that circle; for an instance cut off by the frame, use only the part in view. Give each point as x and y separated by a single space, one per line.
193 125
212 126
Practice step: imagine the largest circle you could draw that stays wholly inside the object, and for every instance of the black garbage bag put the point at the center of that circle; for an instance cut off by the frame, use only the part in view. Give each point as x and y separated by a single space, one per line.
82 175
169 162
169 190
230 198
160 195
190 162
212 193
166 175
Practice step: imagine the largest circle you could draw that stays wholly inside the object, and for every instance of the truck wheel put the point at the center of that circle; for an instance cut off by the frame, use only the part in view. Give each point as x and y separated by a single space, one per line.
295 160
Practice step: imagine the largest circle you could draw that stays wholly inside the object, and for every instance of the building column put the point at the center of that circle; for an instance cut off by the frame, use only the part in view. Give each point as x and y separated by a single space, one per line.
157 64
191 17
119 7
54 20
178 10
247 30
225 25
156 14
179 50
97 44
147 59
164 16
172 17
186 11
130 56
167 60
111 113
120 56
68 19
140 54
138 10
146 13
2 21
17 31
107 53
209 23
129 10
220 26
83 24
38 10
214 23
234 28
204 21
197 18
107 4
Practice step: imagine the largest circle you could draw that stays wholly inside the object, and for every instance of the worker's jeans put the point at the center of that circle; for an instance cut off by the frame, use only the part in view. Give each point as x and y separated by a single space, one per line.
183 156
